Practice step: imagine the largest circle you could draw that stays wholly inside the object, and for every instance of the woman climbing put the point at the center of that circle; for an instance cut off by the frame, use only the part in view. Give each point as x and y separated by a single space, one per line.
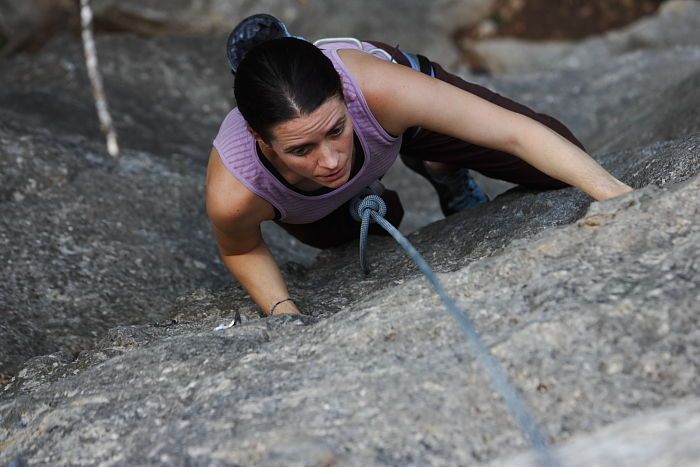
316 125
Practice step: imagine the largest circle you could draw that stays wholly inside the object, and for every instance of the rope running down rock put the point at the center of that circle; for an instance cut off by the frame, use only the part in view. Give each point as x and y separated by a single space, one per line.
373 209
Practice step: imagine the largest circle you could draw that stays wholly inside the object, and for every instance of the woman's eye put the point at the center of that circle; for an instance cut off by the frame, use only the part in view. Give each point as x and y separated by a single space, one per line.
300 152
337 131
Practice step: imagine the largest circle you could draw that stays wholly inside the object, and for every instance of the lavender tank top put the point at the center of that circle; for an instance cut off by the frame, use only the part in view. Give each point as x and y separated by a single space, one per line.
237 150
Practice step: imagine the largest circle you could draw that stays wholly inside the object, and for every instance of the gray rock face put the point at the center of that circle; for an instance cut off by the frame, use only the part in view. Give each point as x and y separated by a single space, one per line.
668 437
413 24
16 16
164 93
634 100
594 321
416 25
87 243
77 229
677 24
112 289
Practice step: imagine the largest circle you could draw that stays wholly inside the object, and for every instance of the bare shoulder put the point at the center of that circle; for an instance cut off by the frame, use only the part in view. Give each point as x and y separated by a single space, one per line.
367 69
230 204
387 87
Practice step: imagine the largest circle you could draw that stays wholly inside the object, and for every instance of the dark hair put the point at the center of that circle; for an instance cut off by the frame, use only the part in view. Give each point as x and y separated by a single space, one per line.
283 79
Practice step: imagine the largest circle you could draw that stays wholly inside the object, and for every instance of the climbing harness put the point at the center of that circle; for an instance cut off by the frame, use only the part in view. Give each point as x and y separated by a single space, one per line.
371 208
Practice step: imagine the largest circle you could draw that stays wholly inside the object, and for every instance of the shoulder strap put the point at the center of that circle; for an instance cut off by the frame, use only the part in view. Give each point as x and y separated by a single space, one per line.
351 43
336 41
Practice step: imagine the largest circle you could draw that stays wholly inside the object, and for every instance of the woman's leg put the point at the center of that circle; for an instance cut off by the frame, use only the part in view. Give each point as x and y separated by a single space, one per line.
431 146
339 227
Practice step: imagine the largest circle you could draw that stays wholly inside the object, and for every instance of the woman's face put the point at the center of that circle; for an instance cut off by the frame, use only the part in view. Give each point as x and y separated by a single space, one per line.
317 146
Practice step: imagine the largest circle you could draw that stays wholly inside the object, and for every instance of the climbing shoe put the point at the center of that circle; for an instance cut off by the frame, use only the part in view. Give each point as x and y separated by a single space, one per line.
455 191
250 32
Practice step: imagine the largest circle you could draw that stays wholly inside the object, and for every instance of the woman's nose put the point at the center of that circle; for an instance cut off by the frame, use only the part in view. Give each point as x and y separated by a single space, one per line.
328 159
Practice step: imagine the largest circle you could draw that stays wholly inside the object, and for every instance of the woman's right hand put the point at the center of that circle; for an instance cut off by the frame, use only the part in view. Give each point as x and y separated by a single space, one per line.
236 214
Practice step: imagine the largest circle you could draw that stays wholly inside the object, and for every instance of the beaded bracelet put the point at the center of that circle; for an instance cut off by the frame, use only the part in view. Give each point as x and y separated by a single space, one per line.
275 305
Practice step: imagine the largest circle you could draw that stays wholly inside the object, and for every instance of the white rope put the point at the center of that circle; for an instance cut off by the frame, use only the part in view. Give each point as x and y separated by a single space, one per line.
96 79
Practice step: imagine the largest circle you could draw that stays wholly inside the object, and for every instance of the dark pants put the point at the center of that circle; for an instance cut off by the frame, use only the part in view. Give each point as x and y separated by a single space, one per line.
339 227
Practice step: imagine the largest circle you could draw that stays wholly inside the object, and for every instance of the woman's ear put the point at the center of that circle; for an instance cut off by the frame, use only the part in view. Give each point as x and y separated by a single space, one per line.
257 137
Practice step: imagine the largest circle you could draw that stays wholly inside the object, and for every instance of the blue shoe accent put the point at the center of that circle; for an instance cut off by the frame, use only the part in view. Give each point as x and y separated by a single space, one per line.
455 191
250 32
467 193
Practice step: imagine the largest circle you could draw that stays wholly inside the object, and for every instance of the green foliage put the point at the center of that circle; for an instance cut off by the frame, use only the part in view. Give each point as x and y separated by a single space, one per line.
498 19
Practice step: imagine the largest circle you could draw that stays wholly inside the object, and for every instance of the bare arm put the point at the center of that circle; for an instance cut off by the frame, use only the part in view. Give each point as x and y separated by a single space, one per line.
401 98
554 155
235 214
257 271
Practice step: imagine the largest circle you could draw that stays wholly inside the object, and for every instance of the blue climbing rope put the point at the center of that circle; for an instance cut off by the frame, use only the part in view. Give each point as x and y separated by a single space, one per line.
372 208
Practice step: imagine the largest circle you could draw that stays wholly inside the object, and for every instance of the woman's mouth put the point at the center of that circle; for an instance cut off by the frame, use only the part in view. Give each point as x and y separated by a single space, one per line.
335 175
